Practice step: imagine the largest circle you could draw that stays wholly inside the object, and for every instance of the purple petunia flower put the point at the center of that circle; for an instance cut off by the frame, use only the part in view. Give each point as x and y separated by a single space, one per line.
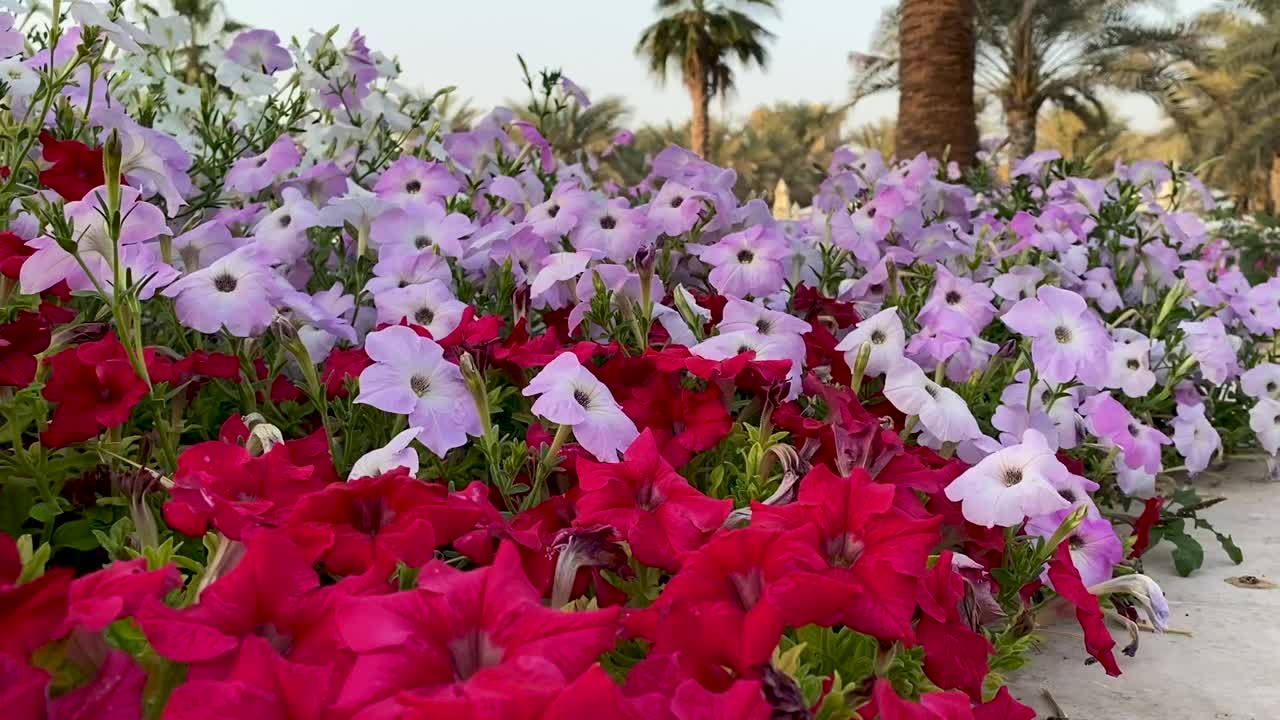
411 180
260 50
568 394
1264 420
1095 549
250 174
409 376
282 233
1195 437
1208 343
676 208
397 271
430 304
204 243
1262 380
1108 419
748 263
612 231
1017 284
1068 340
1011 484
571 88
419 228
236 292
957 305
1130 363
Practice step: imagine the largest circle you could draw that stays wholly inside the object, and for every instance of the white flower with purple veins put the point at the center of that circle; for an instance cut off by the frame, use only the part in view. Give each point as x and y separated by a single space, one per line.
411 180
1130 363
1262 380
941 411
1011 484
409 376
1068 339
1264 420
568 394
237 292
393 455
141 222
431 305
420 228
748 263
887 338
282 233
261 51
1195 437
1208 343
250 174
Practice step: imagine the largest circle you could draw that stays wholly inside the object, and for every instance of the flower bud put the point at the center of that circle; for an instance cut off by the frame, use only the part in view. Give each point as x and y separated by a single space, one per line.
112 155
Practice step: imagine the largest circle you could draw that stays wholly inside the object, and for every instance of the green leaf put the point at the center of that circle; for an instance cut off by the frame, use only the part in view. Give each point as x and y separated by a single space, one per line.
1188 555
15 506
77 534
1228 545
44 512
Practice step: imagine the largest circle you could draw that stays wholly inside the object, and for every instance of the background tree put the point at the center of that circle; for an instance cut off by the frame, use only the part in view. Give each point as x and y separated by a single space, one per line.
936 112
703 38
574 130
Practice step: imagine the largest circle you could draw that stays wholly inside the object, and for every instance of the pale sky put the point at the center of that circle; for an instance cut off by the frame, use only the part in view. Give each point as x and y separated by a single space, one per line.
473 44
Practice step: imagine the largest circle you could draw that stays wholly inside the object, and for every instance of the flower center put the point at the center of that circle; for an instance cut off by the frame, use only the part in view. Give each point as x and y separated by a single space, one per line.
648 497
1011 476
1062 334
420 384
952 297
285 220
225 283
745 256
422 242
844 550
1133 430
1075 543
764 326
280 641
553 211
1271 387
472 653
875 289
676 202
608 223
1133 364
877 337
747 587
582 398
1067 495
412 187
371 515
424 316
932 389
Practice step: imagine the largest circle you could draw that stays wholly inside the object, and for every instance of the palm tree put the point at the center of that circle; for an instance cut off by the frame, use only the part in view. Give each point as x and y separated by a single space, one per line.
702 38
1031 53
936 112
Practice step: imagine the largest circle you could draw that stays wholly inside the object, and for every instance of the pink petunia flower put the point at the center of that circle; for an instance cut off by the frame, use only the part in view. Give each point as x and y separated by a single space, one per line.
1011 484
568 394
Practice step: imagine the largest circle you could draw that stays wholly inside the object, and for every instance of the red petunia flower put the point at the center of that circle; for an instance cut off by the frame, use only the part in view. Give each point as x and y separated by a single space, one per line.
77 168
1066 582
261 685
659 514
95 388
464 641
13 253
118 590
20 341
340 366
886 705
955 656
871 554
1142 528
31 614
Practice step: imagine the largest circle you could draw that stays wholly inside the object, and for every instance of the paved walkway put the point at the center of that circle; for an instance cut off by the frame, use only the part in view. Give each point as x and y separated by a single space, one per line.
1227 669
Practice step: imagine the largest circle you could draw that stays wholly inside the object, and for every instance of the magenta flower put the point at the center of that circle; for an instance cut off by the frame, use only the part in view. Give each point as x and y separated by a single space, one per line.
941 411
410 180
431 305
1068 340
237 292
1195 437
957 305
1095 549
748 263
1108 419
250 174
418 228
260 50
884 331
568 394
1208 343
1011 484
409 376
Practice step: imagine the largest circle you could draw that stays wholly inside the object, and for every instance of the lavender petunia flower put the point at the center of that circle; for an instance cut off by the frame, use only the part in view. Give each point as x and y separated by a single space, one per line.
941 411
571 88
1264 420
568 394
676 208
409 376
1208 343
1130 363
418 228
430 304
612 231
236 292
1195 437
1067 337
1017 284
1262 380
282 233
957 305
250 174
411 180
1011 484
748 263
559 214
1100 287
397 271
204 243
260 50
1108 419
1095 549
393 455
557 268
1134 482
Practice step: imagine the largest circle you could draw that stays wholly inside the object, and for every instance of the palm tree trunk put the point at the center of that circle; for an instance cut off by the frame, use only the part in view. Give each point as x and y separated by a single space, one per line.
1274 185
936 112
699 130
1020 122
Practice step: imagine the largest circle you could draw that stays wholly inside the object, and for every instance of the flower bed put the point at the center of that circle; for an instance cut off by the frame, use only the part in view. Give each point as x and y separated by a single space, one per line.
317 408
